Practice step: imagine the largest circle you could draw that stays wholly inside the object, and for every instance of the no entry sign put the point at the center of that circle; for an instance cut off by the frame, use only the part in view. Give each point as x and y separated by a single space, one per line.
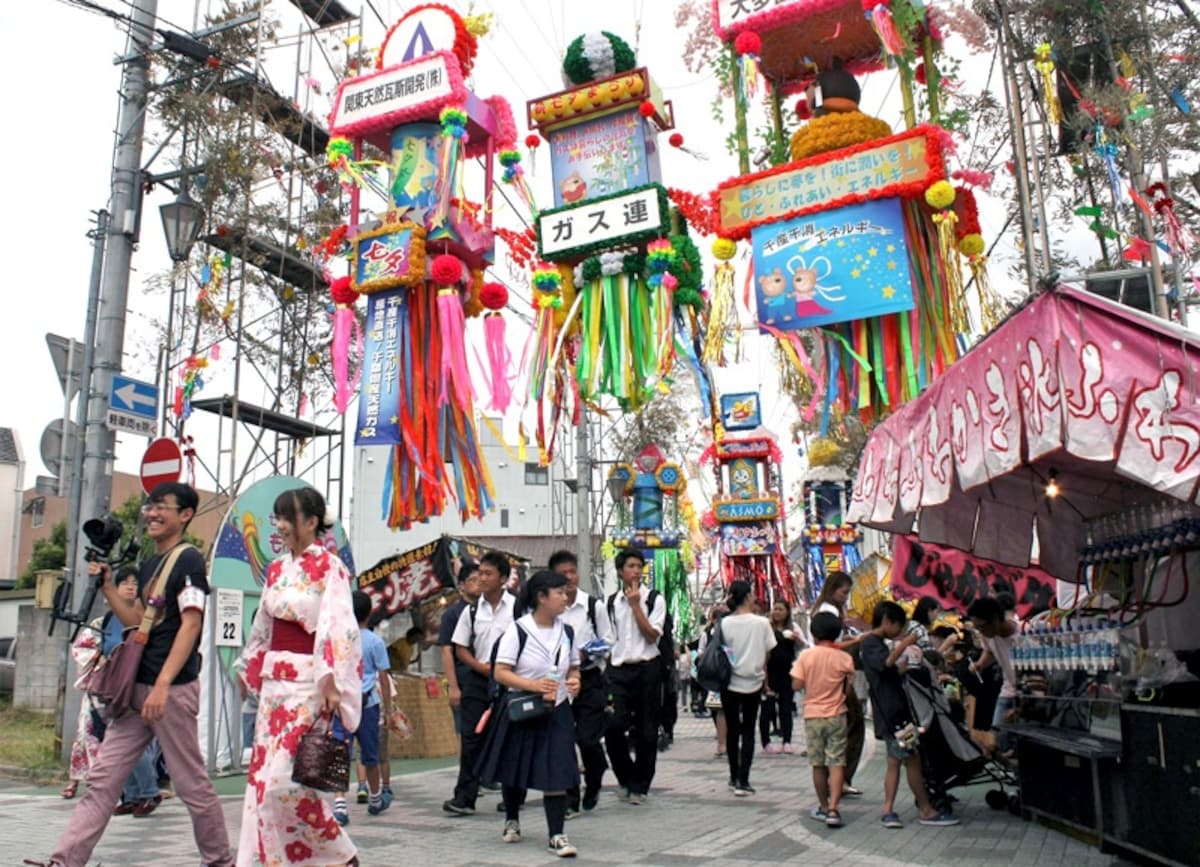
162 462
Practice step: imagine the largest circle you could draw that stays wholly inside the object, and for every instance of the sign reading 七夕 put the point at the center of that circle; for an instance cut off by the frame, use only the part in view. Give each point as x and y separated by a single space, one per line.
597 157
741 411
747 540
835 266
903 165
391 256
379 403
411 91
763 509
587 227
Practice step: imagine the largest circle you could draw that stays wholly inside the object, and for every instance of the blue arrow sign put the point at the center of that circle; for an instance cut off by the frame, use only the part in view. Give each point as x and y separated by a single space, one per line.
134 397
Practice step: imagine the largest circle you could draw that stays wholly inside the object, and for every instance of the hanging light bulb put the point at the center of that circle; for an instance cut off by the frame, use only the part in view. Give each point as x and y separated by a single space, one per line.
1052 489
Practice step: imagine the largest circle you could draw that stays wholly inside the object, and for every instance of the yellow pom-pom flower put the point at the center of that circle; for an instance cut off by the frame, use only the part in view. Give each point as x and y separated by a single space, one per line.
940 195
971 245
724 248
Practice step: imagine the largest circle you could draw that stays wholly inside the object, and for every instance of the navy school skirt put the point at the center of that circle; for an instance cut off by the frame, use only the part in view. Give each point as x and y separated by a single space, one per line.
539 754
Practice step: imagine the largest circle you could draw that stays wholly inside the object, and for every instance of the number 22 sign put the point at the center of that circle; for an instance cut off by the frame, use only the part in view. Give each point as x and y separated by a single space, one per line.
229 606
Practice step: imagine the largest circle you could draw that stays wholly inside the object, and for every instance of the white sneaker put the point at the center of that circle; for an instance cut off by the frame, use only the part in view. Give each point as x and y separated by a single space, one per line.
512 831
561 846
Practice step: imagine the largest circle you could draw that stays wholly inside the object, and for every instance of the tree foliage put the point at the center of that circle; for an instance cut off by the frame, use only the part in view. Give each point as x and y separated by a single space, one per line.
48 553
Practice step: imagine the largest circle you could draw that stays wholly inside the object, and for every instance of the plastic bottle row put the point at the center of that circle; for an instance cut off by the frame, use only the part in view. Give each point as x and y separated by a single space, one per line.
1074 646
1102 547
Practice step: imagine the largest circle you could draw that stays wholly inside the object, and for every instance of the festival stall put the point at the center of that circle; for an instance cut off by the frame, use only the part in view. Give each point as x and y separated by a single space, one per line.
1071 433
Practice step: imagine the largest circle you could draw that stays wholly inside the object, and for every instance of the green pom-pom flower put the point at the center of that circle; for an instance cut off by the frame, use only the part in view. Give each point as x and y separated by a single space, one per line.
594 56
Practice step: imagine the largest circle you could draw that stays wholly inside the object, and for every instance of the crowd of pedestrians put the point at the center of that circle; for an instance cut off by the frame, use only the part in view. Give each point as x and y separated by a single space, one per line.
549 691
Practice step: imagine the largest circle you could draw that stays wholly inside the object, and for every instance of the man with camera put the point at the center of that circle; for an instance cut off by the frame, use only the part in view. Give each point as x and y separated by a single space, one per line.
166 694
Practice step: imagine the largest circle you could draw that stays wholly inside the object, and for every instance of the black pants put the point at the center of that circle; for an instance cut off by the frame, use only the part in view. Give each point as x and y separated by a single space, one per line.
856 733
634 690
474 702
777 709
741 711
591 719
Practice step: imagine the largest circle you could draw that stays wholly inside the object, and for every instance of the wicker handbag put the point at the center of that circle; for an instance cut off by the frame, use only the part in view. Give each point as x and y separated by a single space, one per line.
322 759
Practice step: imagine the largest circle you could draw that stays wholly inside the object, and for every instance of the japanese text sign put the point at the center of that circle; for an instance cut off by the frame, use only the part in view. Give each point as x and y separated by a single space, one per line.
379 403
835 266
601 156
741 13
904 164
766 509
588 227
382 100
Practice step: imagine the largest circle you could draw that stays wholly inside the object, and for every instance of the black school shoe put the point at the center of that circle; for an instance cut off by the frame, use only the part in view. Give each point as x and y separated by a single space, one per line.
458 809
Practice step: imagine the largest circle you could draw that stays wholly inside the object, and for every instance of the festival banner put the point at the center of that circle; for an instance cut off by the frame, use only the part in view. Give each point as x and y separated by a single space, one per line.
957 578
602 156
833 266
379 403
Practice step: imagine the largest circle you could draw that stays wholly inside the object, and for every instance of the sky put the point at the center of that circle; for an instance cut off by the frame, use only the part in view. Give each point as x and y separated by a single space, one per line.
59 166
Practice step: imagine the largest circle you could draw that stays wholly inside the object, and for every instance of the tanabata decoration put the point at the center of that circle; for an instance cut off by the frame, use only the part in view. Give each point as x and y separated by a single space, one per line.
345 330
421 268
654 518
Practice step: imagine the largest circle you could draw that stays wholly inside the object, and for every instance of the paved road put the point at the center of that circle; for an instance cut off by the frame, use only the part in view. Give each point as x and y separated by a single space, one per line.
690 818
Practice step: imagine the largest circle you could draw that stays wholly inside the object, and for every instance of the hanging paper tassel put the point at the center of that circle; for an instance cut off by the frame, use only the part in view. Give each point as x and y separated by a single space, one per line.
879 13
514 176
454 136
940 196
1107 151
748 46
455 380
1043 61
494 296
345 329
722 312
1179 238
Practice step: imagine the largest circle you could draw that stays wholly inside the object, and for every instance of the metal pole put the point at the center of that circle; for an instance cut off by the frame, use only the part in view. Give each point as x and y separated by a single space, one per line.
583 499
109 340
62 442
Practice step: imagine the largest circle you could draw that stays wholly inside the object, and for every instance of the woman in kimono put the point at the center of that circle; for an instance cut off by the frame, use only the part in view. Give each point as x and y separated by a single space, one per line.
304 660
89 729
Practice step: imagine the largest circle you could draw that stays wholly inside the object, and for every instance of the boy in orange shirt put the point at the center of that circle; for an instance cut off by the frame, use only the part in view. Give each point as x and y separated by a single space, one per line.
823 672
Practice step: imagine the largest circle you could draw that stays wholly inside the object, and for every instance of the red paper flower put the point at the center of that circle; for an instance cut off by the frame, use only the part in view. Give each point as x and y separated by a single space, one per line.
676 140
646 108
297 850
341 292
532 140
748 42
803 112
493 295
446 269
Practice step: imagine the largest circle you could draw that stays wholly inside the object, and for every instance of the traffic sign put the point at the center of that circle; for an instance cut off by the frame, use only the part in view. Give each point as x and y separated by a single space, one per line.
133 397
162 462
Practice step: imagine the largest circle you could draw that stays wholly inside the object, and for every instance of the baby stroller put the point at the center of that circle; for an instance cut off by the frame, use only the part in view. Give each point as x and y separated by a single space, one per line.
949 757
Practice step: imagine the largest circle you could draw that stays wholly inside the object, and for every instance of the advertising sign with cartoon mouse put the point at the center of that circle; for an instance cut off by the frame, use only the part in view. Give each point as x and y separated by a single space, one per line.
834 266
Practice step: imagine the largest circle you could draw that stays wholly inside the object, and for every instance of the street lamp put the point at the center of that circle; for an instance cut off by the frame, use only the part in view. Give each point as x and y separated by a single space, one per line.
182 220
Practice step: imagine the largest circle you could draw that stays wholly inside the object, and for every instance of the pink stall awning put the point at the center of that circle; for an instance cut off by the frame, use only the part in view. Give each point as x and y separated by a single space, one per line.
1099 393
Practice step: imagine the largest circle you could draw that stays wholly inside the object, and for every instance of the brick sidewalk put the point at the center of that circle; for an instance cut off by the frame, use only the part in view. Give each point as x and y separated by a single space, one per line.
690 818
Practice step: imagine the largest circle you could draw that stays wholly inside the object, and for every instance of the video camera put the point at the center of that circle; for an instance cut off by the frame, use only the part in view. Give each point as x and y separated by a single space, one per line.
103 535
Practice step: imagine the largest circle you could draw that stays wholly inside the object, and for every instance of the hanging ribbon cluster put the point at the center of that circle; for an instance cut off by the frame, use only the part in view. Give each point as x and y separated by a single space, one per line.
346 330
722 311
879 13
514 176
1107 152
969 236
545 379
748 46
1180 240
449 178
1043 62
494 298
190 383
940 196
339 155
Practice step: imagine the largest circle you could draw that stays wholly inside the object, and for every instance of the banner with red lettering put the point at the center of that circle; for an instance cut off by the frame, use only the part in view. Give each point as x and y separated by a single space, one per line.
957 578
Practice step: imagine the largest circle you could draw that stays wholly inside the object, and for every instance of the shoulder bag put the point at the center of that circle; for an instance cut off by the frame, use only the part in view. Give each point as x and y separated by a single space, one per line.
713 668
112 683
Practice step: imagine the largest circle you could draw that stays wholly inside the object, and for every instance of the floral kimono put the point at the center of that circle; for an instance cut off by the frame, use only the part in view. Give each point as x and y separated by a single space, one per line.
84 650
284 823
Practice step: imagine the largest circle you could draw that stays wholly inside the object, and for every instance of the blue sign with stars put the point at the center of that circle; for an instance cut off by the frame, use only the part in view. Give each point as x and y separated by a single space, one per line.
834 266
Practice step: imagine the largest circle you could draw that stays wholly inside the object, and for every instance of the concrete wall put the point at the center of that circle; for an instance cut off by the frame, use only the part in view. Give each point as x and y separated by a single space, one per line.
40 657
10 603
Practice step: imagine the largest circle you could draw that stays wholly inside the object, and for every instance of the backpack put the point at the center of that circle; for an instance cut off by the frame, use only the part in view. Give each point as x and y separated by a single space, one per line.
666 641
522 637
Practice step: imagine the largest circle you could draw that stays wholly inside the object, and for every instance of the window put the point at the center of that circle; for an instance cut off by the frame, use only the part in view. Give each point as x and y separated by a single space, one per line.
535 474
504 519
37 512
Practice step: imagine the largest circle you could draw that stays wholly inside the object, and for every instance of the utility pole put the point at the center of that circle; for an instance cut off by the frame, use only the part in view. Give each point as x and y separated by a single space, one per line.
125 204
583 501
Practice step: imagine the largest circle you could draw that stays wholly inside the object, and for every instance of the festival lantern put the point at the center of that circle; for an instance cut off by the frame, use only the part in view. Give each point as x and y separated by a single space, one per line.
830 542
421 270
654 517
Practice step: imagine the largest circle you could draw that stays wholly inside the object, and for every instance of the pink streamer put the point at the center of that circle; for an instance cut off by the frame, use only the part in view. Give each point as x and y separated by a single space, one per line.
499 361
454 374
817 381
345 329
881 18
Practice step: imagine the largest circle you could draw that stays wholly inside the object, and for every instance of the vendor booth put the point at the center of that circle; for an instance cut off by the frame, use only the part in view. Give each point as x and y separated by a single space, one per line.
1064 447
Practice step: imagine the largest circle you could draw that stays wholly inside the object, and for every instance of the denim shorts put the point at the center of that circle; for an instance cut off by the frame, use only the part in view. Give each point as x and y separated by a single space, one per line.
368 736
897 750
